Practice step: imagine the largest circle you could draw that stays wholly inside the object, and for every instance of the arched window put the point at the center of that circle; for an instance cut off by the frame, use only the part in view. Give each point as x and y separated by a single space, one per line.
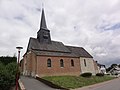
85 63
61 63
49 63
72 63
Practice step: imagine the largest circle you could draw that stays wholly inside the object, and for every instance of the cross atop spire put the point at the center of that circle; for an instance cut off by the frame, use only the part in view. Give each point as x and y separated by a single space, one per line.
43 21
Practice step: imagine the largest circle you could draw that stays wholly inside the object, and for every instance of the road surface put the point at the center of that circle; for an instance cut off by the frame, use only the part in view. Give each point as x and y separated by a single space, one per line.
33 84
108 85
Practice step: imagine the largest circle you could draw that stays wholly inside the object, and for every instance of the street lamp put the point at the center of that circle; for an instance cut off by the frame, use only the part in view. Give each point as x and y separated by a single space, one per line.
17 74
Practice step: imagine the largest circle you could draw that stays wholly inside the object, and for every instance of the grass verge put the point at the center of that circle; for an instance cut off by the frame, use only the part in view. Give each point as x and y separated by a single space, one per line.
72 82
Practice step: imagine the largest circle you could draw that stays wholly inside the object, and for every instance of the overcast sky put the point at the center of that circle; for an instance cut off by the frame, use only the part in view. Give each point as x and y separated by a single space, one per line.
92 24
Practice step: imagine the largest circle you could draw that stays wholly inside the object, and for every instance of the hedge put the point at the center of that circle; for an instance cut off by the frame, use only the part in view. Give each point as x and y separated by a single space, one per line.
7 75
87 74
100 74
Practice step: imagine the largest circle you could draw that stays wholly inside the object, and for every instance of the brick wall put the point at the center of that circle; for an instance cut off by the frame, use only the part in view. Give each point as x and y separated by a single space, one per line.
28 63
37 65
34 64
55 69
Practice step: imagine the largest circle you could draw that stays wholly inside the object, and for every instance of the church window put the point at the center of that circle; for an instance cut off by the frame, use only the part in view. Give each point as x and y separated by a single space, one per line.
61 63
72 63
85 63
49 63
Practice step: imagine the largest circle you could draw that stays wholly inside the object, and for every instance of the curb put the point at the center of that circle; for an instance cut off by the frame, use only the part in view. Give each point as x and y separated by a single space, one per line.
21 85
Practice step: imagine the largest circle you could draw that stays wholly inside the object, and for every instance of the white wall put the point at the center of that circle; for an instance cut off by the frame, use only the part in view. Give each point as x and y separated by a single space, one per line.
89 65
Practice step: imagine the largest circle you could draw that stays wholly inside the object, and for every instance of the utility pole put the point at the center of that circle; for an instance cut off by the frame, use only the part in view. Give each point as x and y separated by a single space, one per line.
17 73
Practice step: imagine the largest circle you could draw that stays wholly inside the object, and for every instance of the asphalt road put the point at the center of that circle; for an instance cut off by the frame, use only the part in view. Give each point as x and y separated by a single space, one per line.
33 84
109 85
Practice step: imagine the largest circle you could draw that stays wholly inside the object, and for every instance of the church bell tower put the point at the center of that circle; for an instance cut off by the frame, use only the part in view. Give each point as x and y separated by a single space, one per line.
43 35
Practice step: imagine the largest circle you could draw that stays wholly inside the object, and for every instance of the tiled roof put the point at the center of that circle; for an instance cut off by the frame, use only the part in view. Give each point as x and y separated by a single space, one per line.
56 49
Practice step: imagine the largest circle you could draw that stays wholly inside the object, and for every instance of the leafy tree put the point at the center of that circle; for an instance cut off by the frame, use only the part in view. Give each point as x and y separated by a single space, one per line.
108 69
1 66
113 65
12 69
7 75
119 65
7 59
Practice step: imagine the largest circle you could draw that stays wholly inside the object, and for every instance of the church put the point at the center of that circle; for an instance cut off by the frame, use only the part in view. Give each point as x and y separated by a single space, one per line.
45 57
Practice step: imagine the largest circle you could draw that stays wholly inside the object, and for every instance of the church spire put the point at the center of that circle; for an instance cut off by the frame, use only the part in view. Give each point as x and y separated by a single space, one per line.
43 35
43 21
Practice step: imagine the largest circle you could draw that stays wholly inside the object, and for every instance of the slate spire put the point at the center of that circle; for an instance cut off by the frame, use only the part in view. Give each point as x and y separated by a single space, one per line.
43 21
43 35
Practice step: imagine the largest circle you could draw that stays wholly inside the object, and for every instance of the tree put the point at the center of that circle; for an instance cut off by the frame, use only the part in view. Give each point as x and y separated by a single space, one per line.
7 75
113 65
12 69
7 59
3 78
119 65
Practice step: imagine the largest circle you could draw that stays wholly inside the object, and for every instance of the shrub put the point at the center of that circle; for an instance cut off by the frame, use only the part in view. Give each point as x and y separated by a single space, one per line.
7 75
7 59
107 74
100 74
87 74
116 74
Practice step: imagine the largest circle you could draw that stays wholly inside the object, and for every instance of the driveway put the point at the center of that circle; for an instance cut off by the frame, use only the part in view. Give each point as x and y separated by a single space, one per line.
33 84
108 85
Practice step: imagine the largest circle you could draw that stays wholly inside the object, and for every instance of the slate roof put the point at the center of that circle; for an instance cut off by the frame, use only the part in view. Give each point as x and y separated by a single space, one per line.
54 46
43 21
56 49
79 51
101 65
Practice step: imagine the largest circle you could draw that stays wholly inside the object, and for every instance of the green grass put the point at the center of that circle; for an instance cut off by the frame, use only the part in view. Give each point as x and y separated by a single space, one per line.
74 81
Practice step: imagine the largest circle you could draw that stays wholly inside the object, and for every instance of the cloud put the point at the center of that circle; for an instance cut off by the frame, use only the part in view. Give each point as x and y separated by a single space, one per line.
94 25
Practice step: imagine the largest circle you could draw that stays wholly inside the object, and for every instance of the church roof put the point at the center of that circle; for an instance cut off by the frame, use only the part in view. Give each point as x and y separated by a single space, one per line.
56 49
79 51
54 46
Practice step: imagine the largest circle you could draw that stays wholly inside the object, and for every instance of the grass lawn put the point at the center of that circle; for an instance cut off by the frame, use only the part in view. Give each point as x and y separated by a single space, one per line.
76 82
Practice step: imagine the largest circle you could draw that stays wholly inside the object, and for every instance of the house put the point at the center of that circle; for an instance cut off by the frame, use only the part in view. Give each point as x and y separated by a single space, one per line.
102 68
115 70
45 57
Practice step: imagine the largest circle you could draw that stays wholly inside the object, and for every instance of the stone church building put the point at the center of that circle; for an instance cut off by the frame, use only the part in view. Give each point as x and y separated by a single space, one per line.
45 57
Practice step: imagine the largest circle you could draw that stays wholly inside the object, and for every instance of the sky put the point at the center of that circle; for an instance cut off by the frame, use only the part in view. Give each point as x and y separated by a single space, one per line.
91 24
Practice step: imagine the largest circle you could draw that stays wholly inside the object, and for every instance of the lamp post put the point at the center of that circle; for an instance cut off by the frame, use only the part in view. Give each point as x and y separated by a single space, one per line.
17 74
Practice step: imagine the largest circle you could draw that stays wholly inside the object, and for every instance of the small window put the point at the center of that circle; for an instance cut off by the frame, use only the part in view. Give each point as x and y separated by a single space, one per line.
72 63
49 63
61 63
85 63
